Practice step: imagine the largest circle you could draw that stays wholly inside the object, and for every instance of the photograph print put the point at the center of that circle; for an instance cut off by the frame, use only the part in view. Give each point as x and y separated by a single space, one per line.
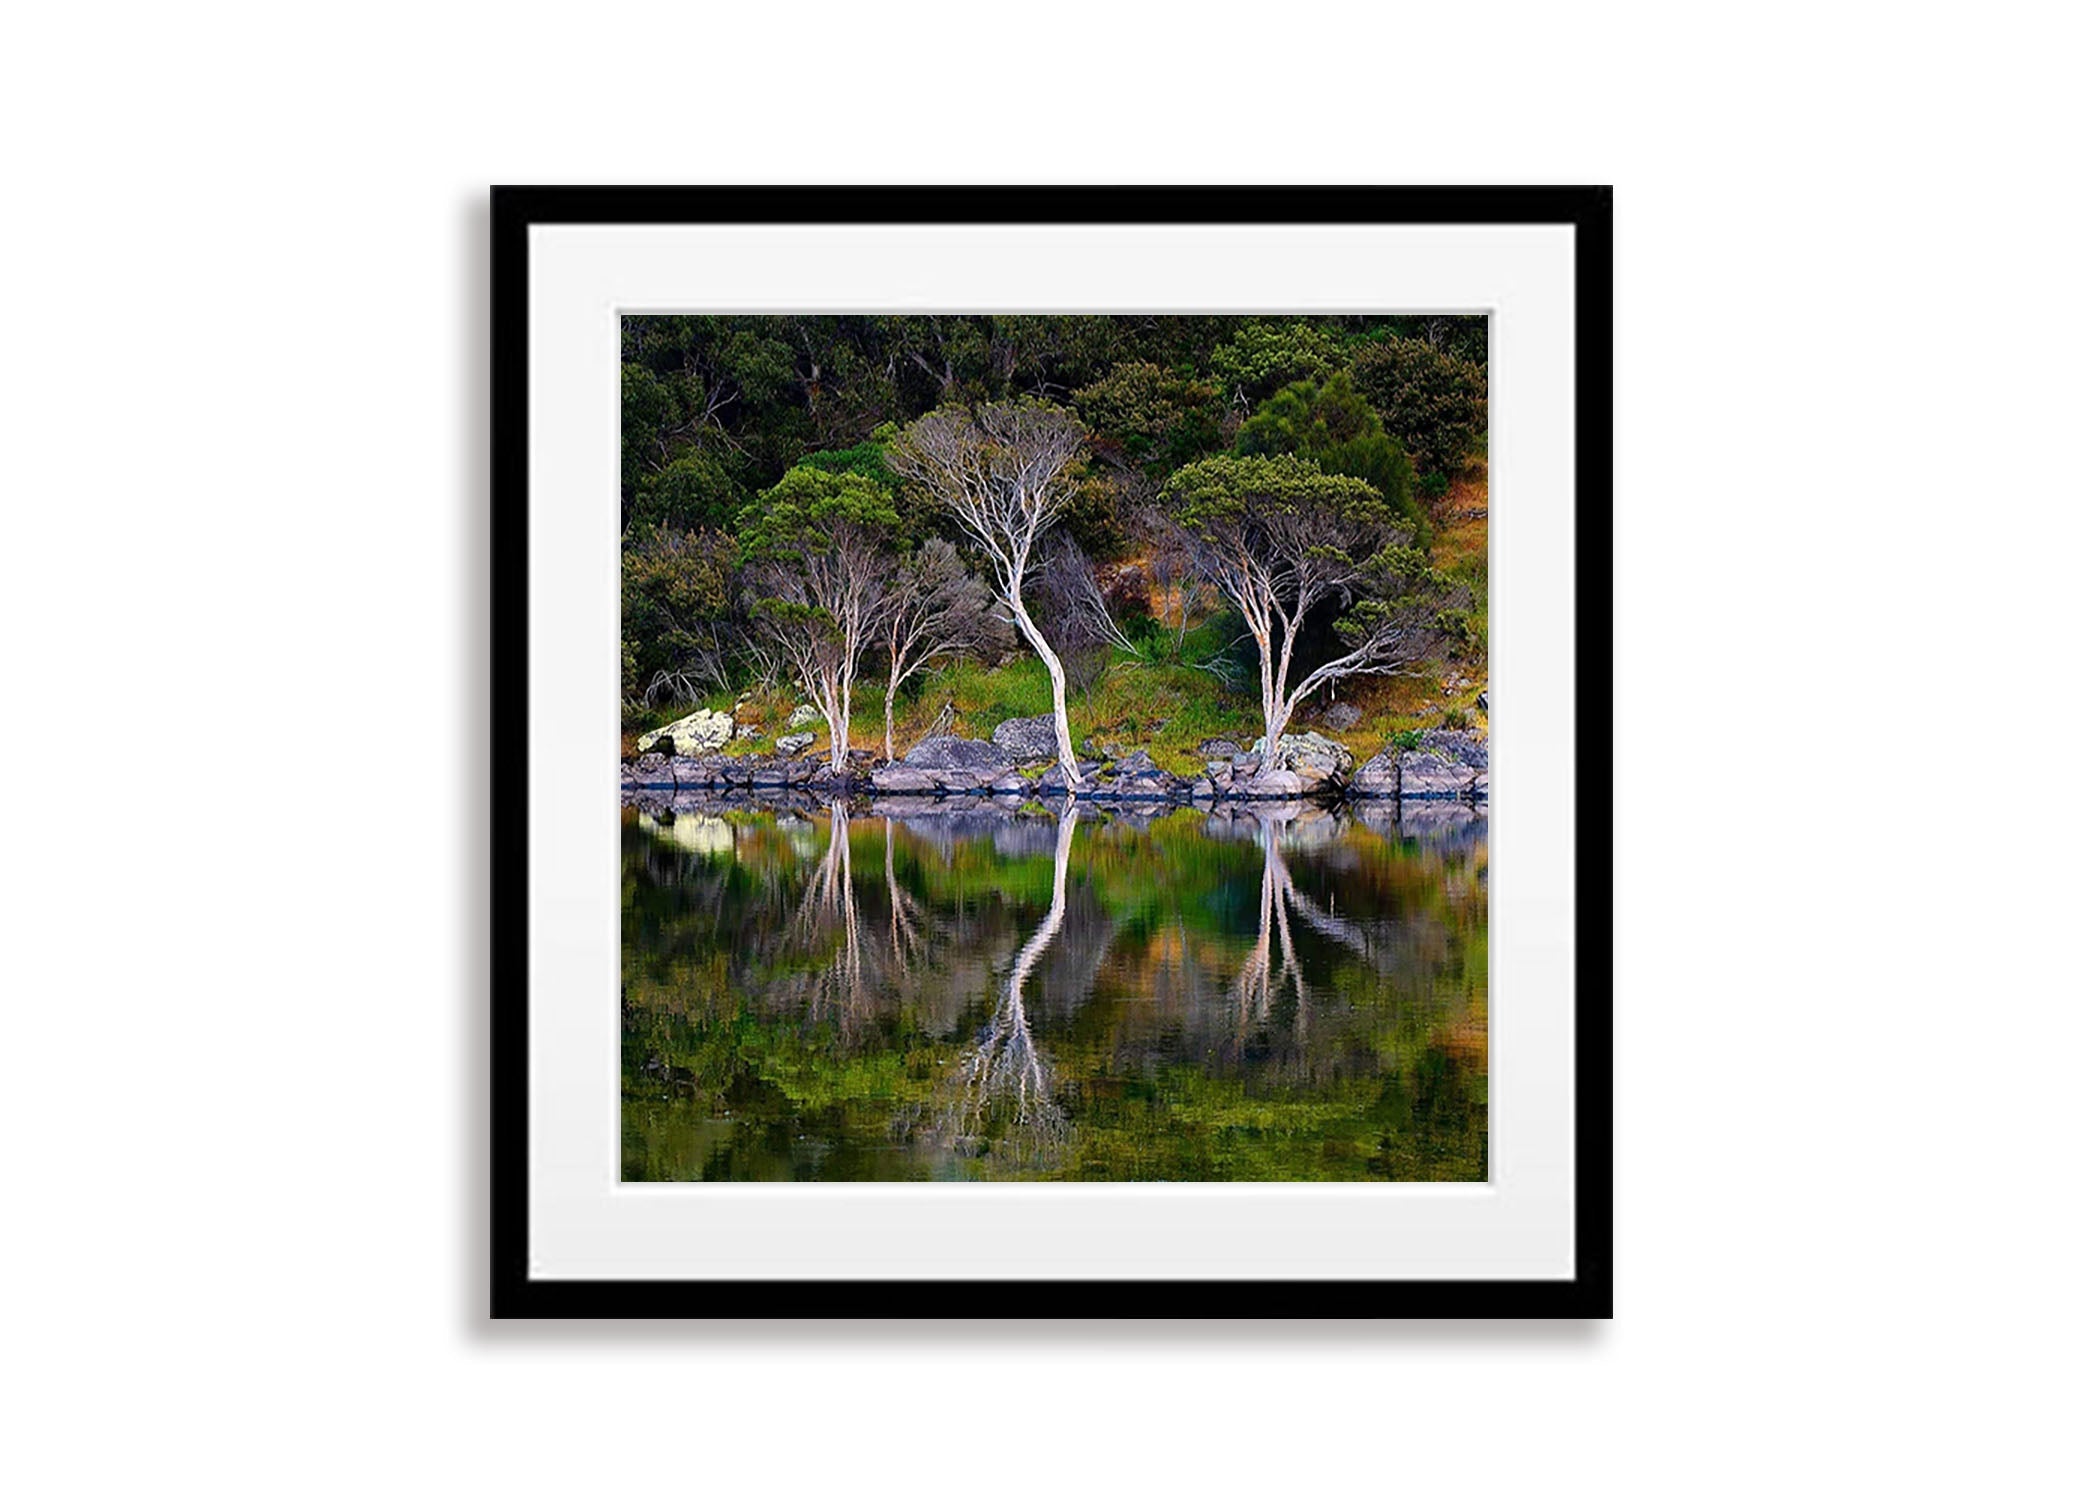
1054 748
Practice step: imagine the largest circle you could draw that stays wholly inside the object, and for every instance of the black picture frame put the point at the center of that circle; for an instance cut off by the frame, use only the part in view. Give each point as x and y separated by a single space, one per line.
513 1293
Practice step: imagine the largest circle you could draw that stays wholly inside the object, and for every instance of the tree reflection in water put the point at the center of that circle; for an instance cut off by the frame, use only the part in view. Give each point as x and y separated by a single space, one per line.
908 920
1273 966
828 920
941 991
1003 1092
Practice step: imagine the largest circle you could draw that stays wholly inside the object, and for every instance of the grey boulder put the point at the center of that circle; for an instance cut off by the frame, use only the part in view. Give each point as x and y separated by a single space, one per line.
1447 764
948 753
1311 755
1423 773
943 781
1377 777
1053 783
1277 783
1451 744
1137 763
1028 739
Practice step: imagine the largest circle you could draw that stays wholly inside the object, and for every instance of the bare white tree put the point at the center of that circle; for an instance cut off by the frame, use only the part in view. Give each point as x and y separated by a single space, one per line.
820 583
936 608
1006 473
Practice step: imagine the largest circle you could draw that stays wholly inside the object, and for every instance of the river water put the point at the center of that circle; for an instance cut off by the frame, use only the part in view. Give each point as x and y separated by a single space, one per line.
1286 994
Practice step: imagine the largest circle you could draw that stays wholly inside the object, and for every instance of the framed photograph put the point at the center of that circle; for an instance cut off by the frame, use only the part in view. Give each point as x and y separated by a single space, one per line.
1051 740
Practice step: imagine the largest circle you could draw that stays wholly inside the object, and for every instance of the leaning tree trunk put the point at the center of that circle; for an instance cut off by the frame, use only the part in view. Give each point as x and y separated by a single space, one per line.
1066 760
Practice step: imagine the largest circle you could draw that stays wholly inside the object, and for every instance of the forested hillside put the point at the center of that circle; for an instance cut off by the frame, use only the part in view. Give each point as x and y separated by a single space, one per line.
1186 527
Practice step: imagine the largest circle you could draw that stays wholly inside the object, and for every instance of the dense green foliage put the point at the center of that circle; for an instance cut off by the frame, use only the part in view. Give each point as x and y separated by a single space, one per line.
811 511
1158 419
718 412
1336 428
1262 356
678 614
1434 402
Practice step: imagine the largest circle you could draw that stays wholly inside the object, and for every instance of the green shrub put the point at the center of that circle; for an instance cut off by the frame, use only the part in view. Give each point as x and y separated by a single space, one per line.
676 612
1434 403
1262 356
1158 418
1337 429
691 493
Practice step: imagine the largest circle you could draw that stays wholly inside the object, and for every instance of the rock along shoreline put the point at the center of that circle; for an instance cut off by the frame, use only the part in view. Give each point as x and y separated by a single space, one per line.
1446 766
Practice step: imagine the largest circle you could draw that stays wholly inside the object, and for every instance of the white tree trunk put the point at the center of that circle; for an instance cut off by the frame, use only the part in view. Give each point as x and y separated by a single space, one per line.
837 722
1065 758
1274 716
838 711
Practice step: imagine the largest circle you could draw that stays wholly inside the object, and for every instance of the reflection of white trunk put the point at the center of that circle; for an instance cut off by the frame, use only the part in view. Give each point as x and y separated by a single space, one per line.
906 920
1255 989
1003 1074
840 989
1327 924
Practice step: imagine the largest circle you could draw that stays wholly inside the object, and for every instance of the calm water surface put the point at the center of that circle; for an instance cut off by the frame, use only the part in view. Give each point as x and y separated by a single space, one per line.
1295 994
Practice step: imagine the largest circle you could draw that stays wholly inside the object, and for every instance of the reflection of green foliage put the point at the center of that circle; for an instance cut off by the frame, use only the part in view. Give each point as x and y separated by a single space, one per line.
729 1072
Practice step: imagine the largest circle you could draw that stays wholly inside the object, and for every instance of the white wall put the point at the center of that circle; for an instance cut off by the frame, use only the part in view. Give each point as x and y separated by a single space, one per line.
245 487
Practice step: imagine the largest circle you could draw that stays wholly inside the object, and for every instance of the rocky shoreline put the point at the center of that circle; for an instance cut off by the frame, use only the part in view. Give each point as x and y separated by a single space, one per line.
1445 765
697 821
